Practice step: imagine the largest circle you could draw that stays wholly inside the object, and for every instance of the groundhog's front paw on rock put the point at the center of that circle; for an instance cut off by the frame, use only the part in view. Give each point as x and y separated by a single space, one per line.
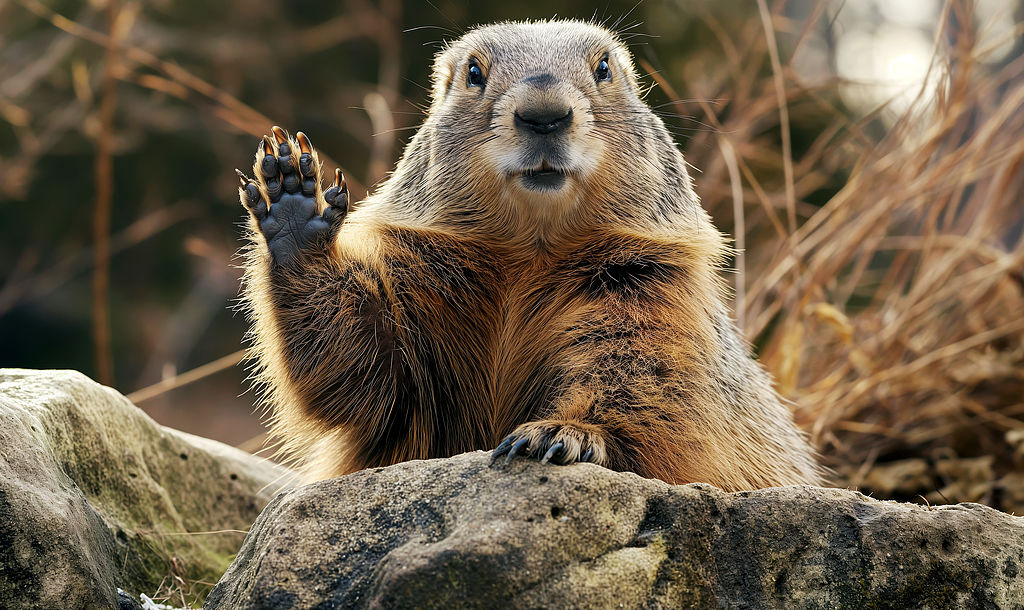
554 441
293 212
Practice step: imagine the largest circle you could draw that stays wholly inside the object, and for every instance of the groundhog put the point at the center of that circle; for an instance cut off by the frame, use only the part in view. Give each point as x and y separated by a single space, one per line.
537 278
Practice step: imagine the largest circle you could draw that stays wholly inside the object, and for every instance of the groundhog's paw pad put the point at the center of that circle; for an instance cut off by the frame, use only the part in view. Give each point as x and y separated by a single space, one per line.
293 213
554 442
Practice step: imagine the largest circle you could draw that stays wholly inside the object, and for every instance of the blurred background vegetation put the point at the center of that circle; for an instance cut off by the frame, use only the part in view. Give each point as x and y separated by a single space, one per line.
866 155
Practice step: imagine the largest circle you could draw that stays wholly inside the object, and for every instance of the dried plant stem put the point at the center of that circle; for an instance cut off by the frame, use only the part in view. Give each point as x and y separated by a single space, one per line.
780 94
200 372
231 110
104 170
729 154
718 127
380 105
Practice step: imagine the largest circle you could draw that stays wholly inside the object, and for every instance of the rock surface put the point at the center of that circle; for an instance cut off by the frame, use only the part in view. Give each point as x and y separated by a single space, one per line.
94 495
457 533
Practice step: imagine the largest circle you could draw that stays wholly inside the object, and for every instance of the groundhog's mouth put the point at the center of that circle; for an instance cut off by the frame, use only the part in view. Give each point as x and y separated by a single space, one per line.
543 178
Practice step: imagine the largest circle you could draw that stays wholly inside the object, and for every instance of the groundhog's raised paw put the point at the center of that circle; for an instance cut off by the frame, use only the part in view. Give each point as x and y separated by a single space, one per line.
553 441
293 213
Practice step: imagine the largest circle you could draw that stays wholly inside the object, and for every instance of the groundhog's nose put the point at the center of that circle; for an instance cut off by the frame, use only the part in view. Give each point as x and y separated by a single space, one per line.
544 119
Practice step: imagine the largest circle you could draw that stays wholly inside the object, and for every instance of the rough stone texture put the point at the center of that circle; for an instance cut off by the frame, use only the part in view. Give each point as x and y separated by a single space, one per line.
457 533
94 495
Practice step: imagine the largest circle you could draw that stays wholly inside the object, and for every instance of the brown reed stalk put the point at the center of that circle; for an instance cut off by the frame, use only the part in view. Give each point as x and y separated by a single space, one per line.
104 172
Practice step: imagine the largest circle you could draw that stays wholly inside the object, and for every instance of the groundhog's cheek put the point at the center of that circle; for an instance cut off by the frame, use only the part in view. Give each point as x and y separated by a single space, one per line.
502 155
586 152
459 139
501 151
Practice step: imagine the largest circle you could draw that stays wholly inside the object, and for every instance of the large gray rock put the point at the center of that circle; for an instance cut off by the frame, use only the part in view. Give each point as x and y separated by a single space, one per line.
94 495
457 533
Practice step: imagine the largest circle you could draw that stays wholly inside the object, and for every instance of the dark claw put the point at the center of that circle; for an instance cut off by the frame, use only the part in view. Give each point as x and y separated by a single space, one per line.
339 180
502 448
283 148
337 199
241 177
306 167
586 456
520 444
337 195
305 145
551 452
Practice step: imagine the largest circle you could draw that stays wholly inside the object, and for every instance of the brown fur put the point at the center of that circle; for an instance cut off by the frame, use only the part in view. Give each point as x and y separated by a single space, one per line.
456 307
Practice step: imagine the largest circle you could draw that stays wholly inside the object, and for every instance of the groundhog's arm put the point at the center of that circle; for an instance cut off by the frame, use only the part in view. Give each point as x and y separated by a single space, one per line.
350 318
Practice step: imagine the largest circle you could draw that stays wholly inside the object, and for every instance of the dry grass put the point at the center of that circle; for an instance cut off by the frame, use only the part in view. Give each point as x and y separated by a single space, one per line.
893 316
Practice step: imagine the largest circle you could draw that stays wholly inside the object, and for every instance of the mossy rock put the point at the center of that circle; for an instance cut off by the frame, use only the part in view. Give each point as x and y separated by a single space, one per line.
461 533
96 496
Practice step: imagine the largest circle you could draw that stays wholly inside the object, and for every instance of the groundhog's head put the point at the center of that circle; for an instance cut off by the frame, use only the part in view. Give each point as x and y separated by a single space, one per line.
547 114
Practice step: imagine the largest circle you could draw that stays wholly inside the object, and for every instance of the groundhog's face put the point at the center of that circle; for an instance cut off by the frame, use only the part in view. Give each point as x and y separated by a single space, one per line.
539 110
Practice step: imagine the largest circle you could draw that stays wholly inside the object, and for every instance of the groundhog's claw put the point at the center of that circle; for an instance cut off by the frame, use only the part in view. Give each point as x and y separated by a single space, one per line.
502 448
251 196
553 442
285 198
306 165
337 199
519 445
551 452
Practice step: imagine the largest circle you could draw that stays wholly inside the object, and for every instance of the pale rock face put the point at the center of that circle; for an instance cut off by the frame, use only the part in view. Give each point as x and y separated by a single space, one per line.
95 496
460 533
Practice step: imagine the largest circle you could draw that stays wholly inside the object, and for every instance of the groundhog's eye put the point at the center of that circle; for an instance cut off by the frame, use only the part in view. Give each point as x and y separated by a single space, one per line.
603 70
475 76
